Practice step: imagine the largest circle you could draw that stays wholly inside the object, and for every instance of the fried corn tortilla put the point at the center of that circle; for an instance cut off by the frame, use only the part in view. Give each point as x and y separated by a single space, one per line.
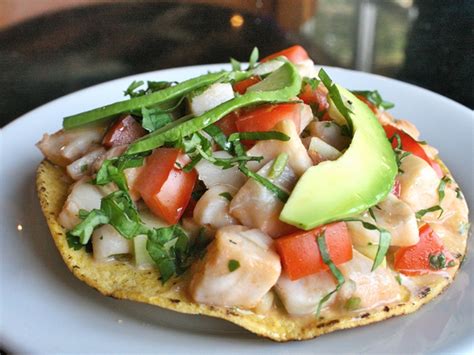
123 281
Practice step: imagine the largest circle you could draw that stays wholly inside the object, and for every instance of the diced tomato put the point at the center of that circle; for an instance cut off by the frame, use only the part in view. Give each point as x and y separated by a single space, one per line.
367 102
409 144
300 254
124 131
415 259
316 97
165 188
265 117
294 54
397 188
242 86
227 123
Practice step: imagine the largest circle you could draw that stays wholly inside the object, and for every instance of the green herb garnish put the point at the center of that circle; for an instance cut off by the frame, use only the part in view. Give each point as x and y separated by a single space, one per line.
281 194
442 186
374 98
438 261
154 119
352 303
421 213
233 265
226 195
323 249
111 170
278 166
384 240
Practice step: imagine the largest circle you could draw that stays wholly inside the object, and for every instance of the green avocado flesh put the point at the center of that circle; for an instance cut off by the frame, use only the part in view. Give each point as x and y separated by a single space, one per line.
359 179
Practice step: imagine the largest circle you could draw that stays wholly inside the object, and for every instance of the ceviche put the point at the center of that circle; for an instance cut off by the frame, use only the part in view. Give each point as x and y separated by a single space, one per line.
265 194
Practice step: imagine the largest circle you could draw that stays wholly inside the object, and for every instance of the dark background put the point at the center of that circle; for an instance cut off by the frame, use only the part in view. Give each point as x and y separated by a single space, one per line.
425 42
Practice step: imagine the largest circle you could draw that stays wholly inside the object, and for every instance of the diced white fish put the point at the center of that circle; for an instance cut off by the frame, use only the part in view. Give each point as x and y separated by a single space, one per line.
266 303
107 242
64 147
213 96
212 209
374 288
331 133
131 175
299 159
143 259
256 269
111 153
307 69
392 214
212 175
320 151
302 296
268 67
418 183
306 116
83 166
255 206
83 196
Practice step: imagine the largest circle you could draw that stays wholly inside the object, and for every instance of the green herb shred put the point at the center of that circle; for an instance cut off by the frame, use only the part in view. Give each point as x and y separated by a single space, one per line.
321 240
278 166
226 195
233 265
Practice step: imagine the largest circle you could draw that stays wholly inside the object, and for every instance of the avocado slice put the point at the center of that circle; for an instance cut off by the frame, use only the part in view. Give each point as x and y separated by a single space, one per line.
359 179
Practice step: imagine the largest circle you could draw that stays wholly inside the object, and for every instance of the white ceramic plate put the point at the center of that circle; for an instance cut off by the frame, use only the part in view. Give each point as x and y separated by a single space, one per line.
44 308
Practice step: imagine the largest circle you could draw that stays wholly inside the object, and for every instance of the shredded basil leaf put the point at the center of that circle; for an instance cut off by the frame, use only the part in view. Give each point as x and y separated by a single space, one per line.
371 212
111 170
398 278
421 213
442 186
352 303
281 194
83 231
374 98
218 136
253 58
458 193
152 86
312 82
278 166
384 240
323 249
335 95
154 119
226 195
236 66
233 265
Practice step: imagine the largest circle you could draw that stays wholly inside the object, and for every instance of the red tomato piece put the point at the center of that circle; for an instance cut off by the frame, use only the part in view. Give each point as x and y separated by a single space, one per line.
265 117
124 131
227 123
242 86
409 144
294 54
300 254
415 259
165 188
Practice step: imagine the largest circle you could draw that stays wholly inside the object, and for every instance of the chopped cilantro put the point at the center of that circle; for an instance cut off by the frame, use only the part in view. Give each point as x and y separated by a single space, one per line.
233 265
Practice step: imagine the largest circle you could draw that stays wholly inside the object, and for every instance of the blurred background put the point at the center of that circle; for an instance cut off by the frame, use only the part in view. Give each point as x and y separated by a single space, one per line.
49 48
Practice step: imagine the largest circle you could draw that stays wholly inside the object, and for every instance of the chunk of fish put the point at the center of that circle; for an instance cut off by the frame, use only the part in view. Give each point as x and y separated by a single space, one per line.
214 283
418 183
83 196
374 288
392 214
63 147
213 96
299 159
307 69
107 242
255 206
331 133
212 175
83 166
320 151
302 296
212 209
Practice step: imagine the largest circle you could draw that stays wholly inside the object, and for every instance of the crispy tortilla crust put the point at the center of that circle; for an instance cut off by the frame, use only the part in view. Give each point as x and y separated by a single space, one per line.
123 281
